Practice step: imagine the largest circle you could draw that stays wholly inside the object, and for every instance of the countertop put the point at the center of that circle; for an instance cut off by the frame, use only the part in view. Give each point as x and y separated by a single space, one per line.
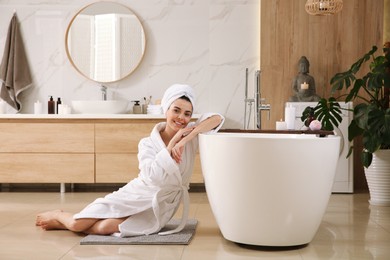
85 116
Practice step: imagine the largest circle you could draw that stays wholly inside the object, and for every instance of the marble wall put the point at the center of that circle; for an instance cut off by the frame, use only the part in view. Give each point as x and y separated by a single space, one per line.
204 43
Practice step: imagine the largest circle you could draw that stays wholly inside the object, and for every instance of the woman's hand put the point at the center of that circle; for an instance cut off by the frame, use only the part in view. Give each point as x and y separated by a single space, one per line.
176 145
181 134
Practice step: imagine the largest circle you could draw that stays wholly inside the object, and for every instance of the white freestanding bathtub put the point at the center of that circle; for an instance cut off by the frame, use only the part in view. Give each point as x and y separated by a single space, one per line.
268 189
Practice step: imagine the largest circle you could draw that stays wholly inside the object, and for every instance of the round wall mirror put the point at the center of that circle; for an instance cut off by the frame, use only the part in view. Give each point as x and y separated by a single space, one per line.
105 41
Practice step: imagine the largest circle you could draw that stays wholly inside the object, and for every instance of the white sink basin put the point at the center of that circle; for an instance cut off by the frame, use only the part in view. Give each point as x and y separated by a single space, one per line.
99 106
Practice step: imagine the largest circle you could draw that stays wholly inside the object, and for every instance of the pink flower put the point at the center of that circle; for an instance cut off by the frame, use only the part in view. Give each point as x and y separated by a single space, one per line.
315 125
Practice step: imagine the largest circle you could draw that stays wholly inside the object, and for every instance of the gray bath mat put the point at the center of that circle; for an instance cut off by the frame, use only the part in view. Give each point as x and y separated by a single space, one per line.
181 238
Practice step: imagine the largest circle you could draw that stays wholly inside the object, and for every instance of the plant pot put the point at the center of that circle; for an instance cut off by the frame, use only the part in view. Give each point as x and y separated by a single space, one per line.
378 178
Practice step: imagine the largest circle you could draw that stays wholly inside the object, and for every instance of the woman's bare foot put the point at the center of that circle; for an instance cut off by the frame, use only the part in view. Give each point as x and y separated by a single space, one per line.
48 220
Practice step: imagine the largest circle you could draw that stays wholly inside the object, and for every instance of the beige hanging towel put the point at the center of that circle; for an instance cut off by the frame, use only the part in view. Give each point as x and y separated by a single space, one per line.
15 75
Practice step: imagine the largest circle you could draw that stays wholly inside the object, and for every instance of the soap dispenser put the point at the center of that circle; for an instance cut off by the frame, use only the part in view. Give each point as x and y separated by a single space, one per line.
137 108
51 106
58 103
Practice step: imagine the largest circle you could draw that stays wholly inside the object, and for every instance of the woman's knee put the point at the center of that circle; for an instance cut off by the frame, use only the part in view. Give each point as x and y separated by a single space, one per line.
81 225
106 226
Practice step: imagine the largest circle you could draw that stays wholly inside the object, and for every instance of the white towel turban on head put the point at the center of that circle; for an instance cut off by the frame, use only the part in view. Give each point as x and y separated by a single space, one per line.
174 92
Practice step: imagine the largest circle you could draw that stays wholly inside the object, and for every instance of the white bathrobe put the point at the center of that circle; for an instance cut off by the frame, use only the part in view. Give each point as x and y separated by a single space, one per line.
150 200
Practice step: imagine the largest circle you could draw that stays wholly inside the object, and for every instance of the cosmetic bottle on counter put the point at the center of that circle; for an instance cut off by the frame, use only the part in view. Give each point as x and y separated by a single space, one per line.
51 106
58 103
137 108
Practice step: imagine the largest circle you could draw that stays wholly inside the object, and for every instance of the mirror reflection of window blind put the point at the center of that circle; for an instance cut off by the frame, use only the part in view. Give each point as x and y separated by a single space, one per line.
131 47
105 49
82 37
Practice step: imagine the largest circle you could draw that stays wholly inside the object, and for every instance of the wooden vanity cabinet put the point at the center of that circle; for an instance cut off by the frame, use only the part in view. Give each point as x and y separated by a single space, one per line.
73 151
116 148
46 153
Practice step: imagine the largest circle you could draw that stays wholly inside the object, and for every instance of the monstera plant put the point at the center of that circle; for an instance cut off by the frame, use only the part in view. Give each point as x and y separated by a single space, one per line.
371 116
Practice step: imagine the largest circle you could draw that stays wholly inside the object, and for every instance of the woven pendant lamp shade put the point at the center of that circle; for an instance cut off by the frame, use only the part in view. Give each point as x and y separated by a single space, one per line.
323 7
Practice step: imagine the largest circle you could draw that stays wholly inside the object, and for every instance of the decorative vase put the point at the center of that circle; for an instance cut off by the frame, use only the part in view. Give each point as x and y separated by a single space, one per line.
378 178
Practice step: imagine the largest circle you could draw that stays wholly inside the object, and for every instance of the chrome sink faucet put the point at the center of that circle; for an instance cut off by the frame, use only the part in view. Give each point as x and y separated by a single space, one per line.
103 89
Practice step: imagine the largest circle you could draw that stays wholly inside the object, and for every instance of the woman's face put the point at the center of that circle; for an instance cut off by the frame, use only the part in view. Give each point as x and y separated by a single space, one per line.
179 114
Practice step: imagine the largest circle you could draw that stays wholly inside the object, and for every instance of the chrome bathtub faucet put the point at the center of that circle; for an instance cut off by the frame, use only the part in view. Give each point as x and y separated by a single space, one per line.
260 106
258 101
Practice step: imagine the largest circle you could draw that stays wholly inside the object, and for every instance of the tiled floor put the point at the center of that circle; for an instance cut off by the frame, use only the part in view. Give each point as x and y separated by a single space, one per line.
351 229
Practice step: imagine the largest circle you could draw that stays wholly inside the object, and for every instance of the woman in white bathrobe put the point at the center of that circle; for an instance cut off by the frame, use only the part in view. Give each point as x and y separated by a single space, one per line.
147 203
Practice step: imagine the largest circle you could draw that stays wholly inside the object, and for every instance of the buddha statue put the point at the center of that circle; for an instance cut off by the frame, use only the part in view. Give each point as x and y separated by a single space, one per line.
303 85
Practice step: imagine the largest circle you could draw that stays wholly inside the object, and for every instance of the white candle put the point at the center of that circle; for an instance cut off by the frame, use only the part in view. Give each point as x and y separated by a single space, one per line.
38 107
289 117
281 125
304 85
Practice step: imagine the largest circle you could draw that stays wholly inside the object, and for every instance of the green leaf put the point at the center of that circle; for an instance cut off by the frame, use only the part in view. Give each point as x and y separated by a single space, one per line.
371 142
349 151
366 158
356 66
375 119
359 83
341 79
346 78
360 115
306 113
336 114
329 113
374 81
354 130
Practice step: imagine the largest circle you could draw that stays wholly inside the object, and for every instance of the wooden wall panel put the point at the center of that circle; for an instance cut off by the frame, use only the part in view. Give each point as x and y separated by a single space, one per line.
331 43
386 21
